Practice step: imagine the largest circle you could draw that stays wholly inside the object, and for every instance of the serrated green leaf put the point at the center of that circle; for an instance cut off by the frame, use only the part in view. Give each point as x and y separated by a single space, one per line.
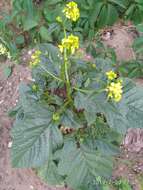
81 162
70 120
34 134
133 99
119 116
49 173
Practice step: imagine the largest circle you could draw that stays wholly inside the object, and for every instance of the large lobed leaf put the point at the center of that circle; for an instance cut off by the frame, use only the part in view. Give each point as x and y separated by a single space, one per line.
77 163
49 173
35 136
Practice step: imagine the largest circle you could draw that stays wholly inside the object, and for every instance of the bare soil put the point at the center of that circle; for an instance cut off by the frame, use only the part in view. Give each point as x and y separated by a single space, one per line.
120 37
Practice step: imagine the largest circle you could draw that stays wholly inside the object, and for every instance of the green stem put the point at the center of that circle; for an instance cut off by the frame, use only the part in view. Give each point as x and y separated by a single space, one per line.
63 66
89 91
51 74
62 109
64 71
67 80
65 34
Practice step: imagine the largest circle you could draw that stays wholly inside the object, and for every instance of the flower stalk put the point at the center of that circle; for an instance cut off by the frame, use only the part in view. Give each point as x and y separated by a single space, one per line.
68 45
67 80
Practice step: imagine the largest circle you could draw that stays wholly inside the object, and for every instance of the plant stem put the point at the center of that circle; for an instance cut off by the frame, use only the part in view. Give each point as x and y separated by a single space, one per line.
67 80
64 70
51 74
88 91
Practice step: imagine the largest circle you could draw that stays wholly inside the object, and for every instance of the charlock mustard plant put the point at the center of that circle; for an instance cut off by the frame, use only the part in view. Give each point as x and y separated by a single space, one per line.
71 120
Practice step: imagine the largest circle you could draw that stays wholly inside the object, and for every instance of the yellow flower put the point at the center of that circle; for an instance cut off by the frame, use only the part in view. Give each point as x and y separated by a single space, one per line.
71 11
71 43
35 58
111 75
4 51
115 91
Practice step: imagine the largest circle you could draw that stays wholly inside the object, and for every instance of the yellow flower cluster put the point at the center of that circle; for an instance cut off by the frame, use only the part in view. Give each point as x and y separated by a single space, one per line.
70 43
71 11
115 91
35 58
111 75
4 51
114 87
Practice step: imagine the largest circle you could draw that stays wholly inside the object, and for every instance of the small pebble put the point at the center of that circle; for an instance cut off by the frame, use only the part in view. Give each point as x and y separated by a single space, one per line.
29 78
1 101
29 52
31 187
9 144
127 156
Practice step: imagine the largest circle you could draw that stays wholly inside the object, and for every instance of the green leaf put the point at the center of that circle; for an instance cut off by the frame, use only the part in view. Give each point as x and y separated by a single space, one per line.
7 71
129 112
49 173
114 113
34 135
120 3
90 117
50 61
70 120
45 34
133 100
139 27
85 102
138 45
32 138
112 15
94 14
108 15
20 40
13 112
80 162
29 24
